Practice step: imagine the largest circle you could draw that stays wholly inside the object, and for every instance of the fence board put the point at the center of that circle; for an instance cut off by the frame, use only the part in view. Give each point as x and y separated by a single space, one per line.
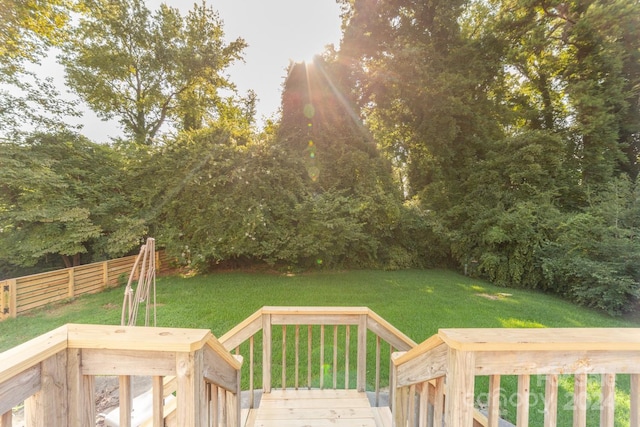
22 294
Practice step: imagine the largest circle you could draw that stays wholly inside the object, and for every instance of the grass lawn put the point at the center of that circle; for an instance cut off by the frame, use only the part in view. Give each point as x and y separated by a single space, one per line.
416 302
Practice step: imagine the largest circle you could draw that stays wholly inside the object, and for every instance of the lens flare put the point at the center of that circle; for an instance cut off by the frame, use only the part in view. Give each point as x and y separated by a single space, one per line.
309 111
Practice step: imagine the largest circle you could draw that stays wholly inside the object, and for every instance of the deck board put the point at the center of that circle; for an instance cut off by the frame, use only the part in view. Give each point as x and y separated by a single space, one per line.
316 408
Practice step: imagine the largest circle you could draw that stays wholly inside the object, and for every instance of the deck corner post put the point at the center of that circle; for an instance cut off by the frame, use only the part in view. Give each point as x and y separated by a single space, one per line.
266 353
81 392
49 406
362 354
459 388
397 397
191 393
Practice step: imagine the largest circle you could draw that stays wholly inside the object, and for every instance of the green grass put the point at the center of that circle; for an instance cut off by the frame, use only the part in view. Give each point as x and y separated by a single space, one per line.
416 302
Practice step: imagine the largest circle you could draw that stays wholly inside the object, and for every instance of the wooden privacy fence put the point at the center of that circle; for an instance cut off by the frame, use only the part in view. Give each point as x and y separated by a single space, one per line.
22 294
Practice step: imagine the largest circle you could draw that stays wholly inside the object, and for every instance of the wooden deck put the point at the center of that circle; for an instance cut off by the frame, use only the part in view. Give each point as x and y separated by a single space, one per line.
317 408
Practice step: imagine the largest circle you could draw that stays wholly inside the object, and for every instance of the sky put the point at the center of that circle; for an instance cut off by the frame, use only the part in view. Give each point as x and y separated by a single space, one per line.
276 31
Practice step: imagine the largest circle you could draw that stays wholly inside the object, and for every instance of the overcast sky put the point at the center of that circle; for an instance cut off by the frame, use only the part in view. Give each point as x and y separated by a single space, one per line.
276 30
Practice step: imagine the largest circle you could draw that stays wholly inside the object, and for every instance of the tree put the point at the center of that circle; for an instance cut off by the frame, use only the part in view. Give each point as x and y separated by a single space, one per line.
148 68
60 195
27 31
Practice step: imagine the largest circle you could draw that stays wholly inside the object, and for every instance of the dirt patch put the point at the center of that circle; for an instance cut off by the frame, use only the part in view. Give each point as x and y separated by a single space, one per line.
495 297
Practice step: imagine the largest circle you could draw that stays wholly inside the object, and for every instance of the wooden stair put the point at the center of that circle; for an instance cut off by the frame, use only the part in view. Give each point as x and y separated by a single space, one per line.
317 408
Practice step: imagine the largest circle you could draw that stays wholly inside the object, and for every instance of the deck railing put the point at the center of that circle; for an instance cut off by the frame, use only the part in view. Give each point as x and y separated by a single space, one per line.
316 347
449 363
54 375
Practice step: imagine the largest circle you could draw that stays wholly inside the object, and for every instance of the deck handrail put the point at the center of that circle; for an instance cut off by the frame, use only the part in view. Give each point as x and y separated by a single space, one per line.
448 363
54 373
362 319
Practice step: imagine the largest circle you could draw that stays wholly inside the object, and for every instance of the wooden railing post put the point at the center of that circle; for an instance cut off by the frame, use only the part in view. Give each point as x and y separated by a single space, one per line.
398 404
459 388
82 408
48 407
190 393
266 353
361 384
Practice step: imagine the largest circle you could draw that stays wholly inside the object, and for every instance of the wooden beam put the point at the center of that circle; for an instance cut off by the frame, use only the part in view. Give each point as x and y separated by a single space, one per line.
15 390
97 361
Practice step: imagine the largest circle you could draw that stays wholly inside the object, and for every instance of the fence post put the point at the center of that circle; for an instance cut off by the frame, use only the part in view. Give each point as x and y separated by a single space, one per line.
105 274
13 298
4 304
72 282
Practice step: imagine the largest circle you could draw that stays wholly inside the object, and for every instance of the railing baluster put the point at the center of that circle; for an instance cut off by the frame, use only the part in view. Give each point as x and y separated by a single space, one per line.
412 405
580 401
391 389
284 357
251 371
347 339
438 403
494 401
158 401
524 382
377 370
607 401
215 405
222 409
321 357
335 357
126 400
6 419
297 343
309 353
423 415
551 401
635 399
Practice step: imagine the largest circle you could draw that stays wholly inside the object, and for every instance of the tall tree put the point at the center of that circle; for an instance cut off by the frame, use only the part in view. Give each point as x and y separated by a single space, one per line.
27 30
60 195
147 68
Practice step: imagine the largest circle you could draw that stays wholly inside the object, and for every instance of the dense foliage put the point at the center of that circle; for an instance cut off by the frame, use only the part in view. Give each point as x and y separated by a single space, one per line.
498 137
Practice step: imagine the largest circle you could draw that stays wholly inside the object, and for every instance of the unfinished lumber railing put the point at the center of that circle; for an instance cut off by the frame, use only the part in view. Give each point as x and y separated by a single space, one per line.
434 382
316 347
54 375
